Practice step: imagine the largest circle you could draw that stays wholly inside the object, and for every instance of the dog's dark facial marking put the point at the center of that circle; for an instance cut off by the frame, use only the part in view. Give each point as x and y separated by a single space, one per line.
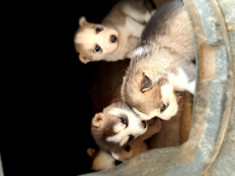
113 38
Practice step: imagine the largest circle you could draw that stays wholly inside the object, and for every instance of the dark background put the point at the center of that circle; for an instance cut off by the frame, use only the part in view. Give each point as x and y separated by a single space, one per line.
56 133
83 76
80 81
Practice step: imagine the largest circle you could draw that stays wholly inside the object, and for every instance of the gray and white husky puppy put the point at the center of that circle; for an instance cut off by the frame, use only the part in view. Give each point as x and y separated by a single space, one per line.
162 64
116 126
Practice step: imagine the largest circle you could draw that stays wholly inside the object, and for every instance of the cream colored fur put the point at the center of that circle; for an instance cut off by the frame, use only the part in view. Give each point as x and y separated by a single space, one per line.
103 160
125 21
161 66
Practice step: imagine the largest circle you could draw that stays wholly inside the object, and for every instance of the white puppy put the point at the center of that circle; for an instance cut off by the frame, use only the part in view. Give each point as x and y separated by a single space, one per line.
116 36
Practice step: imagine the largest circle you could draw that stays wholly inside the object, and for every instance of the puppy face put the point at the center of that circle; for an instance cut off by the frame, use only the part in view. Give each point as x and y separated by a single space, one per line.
94 42
101 160
115 127
132 149
148 91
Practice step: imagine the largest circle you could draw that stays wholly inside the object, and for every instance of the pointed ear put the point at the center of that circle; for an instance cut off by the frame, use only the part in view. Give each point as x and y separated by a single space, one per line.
82 21
147 82
98 120
91 152
83 59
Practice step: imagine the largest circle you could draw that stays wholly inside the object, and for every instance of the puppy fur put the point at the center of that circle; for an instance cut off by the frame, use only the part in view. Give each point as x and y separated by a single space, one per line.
162 64
102 160
116 36
116 126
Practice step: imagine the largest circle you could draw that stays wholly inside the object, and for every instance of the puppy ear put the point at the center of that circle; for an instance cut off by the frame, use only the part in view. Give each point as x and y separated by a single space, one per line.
147 82
91 152
83 59
98 120
82 21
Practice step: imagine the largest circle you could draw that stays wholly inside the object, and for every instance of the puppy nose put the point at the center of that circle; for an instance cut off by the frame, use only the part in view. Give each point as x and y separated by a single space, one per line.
113 38
117 162
144 123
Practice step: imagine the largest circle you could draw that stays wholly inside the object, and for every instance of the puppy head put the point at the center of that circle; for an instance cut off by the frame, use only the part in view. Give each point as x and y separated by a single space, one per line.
101 160
94 42
115 127
130 150
138 145
148 92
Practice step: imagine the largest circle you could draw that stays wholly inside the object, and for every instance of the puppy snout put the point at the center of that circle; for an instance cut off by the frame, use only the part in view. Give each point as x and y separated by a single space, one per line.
117 162
113 38
144 123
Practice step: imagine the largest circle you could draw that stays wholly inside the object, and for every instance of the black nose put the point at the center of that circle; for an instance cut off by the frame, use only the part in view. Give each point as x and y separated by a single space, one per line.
144 123
113 38
117 162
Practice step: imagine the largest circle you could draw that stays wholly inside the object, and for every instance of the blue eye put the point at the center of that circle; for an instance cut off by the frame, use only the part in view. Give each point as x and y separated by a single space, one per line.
97 48
123 120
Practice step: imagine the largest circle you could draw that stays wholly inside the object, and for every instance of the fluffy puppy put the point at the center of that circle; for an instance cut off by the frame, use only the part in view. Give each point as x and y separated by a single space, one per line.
116 127
116 36
138 145
102 160
161 65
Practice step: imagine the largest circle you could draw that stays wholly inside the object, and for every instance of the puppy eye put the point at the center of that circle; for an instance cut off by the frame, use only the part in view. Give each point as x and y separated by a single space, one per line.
97 48
97 30
163 108
127 148
123 120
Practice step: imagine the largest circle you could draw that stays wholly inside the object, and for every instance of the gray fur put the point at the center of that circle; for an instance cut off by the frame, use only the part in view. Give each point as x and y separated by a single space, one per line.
157 25
167 54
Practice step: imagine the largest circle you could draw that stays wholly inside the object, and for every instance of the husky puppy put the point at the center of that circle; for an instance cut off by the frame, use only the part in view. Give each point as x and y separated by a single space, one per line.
103 160
138 145
118 33
162 64
116 126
